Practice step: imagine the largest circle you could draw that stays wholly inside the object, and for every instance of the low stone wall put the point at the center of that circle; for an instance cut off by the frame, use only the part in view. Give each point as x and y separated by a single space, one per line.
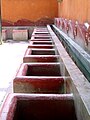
7 33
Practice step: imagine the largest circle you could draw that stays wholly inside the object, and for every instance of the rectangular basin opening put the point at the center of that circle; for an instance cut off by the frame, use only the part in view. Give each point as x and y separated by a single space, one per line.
42 37
45 108
42 33
43 78
41 40
43 70
43 52
41 46
42 43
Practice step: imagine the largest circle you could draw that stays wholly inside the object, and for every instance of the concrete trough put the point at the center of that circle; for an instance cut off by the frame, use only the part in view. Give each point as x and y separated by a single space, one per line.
20 34
41 78
38 107
41 46
40 69
41 42
40 30
32 39
45 33
39 58
41 34
34 51
41 37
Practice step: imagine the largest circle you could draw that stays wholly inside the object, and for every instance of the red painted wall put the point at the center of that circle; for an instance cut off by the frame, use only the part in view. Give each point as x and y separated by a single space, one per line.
33 10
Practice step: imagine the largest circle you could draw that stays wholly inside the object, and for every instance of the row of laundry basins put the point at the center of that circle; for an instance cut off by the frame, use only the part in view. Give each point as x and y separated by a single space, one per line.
42 88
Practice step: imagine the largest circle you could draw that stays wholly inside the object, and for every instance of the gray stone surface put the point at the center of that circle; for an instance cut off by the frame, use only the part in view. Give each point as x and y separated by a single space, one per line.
11 56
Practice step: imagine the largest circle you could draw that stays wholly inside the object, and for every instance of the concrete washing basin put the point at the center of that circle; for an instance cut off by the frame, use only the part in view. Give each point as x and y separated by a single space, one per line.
41 33
39 51
38 107
41 69
41 46
41 78
42 43
41 37
39 58
32 39
41 30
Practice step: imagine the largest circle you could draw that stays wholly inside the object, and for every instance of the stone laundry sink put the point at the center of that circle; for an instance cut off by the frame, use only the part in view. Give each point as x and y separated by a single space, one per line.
38 51
39 58
41 78
38 107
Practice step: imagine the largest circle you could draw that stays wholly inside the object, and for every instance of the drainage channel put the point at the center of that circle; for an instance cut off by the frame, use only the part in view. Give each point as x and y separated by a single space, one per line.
42 86
79 56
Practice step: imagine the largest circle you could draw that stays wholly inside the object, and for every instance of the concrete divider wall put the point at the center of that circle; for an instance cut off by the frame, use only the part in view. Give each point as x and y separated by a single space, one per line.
9 32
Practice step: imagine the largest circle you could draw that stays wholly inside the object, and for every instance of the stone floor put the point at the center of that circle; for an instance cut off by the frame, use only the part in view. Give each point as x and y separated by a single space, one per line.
11 56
